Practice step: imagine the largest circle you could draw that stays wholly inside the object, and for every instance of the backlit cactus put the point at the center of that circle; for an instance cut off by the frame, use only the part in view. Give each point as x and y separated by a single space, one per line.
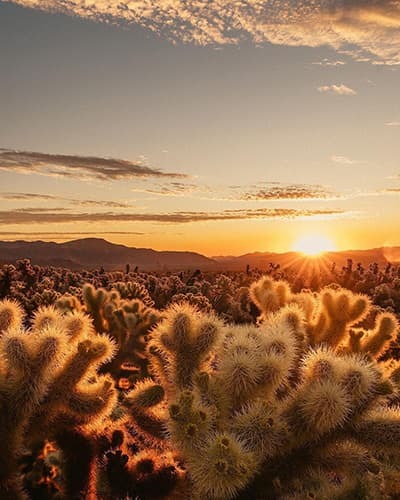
49 387
180 403
186 338
11 315
126 321
287 390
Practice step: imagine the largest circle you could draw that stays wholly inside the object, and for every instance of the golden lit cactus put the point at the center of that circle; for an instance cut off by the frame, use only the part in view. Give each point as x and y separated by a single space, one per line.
220 413
142 404
68 303
296 406
186 338
126 321
11 315
228 468
94 300
133 290
376 342
331 317
24 380
44 317
267 408
338 311
191 422
270 295
259 427
49 387
77 326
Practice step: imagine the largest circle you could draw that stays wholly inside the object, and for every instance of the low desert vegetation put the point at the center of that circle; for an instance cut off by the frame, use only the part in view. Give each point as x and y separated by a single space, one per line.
203 386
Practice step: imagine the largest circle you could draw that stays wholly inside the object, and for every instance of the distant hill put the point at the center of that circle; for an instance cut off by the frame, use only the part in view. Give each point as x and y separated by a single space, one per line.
93 253
294 260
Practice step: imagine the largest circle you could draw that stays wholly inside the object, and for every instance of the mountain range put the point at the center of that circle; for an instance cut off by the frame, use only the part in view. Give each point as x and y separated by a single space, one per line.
94 253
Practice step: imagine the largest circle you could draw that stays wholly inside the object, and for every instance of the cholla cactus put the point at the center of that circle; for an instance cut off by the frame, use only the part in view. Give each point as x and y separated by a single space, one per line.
293 400
50 389
69 303
304 404
331 317
127 322
11 315
186 338
142 404
133 290
140 462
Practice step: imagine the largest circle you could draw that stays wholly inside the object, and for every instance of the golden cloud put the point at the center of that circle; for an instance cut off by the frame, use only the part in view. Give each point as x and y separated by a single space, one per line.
49 216
373 26
77 166
337 89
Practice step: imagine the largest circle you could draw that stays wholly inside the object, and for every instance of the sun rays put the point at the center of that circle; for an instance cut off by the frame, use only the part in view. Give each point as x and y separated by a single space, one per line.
314 245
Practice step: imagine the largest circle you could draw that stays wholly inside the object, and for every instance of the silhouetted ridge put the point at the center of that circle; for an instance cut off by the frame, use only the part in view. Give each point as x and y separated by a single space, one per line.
92 253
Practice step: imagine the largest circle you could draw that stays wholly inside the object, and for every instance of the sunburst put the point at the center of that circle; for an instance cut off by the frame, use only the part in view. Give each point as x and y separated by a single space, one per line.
314 245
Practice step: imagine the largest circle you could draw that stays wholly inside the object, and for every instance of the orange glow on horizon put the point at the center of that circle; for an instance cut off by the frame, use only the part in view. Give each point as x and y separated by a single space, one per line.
314 245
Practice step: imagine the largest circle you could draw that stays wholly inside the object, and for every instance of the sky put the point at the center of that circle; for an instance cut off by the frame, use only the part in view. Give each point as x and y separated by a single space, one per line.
211 126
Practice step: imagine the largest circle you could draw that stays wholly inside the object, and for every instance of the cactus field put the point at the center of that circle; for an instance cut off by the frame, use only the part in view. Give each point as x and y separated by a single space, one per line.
119 385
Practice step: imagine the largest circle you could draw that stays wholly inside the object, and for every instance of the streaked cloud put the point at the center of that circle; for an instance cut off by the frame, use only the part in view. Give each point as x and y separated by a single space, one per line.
392 124
35 216
288 192
391 191
29 197
337 89
41 210
327 63
49 197
344 160
100 203
371 26
78 167
171 189
262 191
31 236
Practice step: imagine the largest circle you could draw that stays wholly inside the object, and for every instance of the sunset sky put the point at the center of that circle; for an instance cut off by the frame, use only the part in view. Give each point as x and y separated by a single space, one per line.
213 126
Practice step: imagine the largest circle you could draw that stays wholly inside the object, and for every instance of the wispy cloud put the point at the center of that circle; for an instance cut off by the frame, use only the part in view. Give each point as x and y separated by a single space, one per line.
262 191
391 191
29 197
100 203
49 197
337 89
78 167
171 189
51 236
392 124
328 63
40 210
372 26
288 192
35 216
344 160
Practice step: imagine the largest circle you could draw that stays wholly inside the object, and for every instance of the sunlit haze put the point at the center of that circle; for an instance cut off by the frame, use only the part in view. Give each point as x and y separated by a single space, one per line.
314 244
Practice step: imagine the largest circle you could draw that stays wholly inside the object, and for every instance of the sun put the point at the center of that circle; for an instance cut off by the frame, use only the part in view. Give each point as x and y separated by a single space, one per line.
314 245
